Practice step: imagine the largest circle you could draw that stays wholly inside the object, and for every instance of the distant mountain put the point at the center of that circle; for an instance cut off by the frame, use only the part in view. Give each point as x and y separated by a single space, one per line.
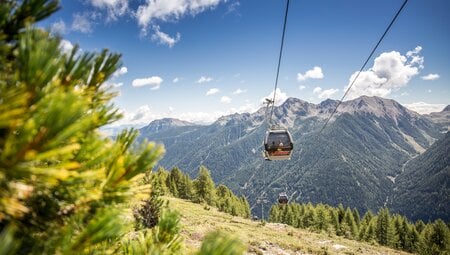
423 189
442 118
160 125
354 161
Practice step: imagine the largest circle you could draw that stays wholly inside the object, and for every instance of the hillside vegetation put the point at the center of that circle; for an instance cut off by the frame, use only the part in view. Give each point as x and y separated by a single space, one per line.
382 228
269 238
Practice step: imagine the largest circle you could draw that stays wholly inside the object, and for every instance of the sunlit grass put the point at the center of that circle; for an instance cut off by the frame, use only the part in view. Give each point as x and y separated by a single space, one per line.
270 238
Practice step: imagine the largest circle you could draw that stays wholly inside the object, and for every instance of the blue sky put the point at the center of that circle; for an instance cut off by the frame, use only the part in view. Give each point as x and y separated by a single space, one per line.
200 59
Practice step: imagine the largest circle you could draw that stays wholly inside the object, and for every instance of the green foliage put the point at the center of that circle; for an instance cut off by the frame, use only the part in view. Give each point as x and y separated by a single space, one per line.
65 188
218 243
147 216
435 239
164 238
202 189
204 186
385 229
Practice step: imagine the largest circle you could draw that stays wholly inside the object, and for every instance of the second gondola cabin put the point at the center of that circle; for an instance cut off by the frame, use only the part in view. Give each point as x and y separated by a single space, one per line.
283 198
278 144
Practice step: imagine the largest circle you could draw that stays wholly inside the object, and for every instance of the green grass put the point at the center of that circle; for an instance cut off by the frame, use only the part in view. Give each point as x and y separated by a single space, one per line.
271 238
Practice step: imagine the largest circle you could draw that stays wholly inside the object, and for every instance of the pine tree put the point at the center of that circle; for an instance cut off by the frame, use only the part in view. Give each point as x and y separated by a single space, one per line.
435 239
420 225
357 217
322 218
65 188
335 220
176 182
412 239
160 180
204 186
274 214
350 222
384 229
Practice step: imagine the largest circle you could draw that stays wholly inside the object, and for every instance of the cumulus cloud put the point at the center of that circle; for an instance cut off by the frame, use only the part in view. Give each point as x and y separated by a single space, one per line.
123 70
315 73
163 38
164 10
239 91
425 108
430 77
415 57
302 87
175 80
154 82
212 91
204 79
114 8
65 46
320 93
225 100
143 115
58 28
390 72
84 22
279 99
233 7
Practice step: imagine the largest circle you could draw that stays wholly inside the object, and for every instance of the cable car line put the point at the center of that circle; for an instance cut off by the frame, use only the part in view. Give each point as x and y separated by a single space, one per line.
278 143
279 60
364 65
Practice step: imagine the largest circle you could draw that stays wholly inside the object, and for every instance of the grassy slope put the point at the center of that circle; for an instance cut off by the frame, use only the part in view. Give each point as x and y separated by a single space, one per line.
273 238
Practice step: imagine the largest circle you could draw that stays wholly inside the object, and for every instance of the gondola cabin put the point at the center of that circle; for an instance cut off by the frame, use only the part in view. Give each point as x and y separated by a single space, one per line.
278 144
283 198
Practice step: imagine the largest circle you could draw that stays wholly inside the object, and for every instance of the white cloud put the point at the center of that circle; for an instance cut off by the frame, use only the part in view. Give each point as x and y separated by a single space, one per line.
279 99
324 93
165 10
239 91
404 94
163 38
83 22
212 91
115 85
123 70
415 58
65 46
58 28
430 77
315 73
142 115
302 87
425 108
225 100
175 80
390 72
114 8
154 82
429 91
204 79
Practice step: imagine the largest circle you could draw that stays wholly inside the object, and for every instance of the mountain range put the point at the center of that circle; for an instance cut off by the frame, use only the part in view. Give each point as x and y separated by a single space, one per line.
363 158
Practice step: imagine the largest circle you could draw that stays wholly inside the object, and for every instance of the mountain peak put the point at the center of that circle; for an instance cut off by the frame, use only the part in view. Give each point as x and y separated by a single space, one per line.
446 109
164 124
375 105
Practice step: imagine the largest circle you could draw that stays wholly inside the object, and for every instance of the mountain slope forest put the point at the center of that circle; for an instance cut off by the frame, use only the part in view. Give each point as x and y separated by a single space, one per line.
318 227
355 160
